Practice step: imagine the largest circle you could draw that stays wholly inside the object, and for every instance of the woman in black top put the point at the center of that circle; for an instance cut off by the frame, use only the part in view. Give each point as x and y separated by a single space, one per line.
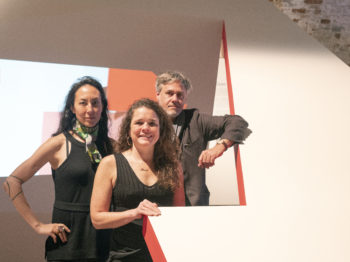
144 174
73 152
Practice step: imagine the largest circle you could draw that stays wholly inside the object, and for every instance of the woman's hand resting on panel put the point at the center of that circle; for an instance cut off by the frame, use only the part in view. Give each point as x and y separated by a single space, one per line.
147 208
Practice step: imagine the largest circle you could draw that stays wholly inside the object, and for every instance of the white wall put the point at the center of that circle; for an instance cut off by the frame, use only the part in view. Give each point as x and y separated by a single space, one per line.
295 95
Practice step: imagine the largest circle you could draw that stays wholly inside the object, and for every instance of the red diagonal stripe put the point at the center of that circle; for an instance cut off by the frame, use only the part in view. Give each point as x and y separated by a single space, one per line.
240 182
152 242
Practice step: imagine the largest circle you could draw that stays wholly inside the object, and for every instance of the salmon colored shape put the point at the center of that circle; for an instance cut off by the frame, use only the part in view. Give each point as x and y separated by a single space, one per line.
126 86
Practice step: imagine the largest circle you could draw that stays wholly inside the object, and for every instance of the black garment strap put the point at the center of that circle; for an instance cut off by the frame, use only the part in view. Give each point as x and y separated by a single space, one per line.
67 145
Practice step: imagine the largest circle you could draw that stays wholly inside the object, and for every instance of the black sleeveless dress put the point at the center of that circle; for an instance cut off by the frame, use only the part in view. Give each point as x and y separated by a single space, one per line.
73 186
127 243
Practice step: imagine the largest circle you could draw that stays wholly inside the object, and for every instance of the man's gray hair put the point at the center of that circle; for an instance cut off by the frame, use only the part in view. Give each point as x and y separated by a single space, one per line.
171 77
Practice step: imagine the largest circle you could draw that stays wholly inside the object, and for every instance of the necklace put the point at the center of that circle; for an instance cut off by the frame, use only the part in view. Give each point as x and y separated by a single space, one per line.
140 164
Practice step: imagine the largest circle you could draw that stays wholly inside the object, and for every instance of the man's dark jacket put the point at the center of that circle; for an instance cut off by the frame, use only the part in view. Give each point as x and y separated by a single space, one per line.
196 130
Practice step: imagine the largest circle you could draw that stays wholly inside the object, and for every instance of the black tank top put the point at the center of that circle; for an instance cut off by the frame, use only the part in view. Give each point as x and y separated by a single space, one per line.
75 176
73 181
127 241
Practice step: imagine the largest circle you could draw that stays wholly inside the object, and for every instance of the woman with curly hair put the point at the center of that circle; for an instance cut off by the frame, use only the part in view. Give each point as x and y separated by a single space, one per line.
144 174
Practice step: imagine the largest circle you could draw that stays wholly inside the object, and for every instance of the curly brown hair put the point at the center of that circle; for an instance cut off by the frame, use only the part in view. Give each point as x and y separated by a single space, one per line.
166 150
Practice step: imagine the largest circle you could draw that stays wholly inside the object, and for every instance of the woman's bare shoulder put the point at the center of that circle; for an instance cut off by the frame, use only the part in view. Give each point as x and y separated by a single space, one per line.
56 141
108 161
107 170
60 138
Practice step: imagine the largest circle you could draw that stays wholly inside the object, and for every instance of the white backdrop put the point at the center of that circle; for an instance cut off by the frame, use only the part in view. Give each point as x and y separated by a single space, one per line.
30 89
295 95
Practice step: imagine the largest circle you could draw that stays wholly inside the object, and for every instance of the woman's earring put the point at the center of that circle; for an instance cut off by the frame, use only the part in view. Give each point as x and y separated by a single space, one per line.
129 141
66 113
74 119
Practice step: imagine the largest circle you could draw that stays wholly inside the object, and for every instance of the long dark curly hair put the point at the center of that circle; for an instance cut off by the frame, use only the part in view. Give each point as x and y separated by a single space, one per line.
68 118
166 150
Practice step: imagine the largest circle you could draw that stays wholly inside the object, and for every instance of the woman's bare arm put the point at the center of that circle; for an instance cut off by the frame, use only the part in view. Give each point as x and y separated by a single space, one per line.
50 151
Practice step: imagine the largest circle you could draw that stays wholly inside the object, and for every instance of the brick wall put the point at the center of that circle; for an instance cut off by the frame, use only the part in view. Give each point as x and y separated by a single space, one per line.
326 20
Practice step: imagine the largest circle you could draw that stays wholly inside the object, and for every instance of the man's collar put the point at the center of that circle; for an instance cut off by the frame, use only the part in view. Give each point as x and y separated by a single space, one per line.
180 119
